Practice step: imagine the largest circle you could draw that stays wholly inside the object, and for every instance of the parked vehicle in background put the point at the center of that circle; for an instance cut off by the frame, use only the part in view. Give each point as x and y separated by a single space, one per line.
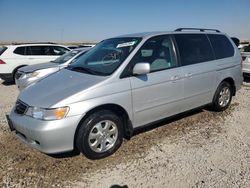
81 46
246 61
31 74
13 57
86 45
124 83
242 45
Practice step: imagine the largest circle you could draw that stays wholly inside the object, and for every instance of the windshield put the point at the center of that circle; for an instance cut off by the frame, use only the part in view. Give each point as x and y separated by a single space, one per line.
65 57
105 57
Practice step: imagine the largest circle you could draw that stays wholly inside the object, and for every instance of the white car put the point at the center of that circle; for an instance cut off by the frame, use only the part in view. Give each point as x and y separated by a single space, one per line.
13 57
31 74
246 61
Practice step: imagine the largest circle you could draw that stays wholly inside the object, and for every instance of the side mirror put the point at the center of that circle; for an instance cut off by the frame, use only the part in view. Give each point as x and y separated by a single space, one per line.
141 68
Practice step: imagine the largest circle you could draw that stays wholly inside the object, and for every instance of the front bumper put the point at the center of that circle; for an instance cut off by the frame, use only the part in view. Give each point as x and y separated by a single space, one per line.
47 136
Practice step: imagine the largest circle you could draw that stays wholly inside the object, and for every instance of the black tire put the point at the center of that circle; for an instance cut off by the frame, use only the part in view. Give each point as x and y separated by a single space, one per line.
82 135
216 105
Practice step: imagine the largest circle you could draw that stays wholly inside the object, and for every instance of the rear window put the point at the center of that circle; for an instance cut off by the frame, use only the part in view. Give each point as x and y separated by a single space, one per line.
2 49
222 46
194 48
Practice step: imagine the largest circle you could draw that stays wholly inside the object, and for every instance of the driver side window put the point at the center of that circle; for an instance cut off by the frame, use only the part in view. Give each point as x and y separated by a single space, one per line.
158 52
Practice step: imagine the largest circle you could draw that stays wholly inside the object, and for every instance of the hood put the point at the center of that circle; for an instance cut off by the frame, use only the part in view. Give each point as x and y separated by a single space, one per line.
57 87
32 68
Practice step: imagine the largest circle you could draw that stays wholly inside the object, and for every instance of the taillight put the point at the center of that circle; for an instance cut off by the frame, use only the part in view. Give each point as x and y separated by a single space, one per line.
2 62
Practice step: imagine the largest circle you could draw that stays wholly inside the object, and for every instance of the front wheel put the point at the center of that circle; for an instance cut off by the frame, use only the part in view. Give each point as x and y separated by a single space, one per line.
222 97
100 135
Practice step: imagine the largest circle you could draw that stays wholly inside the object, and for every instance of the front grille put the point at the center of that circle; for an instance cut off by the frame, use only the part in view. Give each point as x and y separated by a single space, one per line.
21 107
18 75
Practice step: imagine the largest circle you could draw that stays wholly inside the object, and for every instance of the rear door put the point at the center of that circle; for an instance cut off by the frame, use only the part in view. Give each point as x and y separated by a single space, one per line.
157 94
199 69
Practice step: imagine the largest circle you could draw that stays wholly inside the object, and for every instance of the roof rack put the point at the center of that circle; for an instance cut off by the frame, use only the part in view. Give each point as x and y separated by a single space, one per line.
18 43
200 29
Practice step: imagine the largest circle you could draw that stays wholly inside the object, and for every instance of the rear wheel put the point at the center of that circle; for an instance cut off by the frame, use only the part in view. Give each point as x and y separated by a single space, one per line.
100 135
222 97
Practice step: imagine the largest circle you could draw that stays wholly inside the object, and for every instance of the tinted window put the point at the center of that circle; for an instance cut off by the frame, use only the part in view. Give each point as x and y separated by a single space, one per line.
46 50
2 49
37 50
20 50
222 46
194 48
158 52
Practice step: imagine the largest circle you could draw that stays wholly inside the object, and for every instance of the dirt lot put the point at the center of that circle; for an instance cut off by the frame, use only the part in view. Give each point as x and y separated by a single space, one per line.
199 149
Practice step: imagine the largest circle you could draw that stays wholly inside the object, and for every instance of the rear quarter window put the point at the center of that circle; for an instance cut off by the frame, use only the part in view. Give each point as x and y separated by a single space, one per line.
194 48
19 51
223 48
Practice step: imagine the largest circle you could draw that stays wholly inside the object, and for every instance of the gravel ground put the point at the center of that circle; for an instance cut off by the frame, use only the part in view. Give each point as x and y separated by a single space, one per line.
198 149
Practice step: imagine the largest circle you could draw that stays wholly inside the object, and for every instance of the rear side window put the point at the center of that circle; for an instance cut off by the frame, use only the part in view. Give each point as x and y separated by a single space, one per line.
20 51
2 49
41 50
222 46
37 50
194 48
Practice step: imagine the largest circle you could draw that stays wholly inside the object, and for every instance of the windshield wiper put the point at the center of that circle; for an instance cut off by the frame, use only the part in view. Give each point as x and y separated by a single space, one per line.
84 69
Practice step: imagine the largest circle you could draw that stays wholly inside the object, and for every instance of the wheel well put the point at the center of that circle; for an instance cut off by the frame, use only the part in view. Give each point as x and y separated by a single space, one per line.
14 71
119 111
231 82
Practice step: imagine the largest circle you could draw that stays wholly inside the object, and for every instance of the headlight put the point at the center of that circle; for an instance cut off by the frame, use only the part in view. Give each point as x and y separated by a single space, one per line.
48 114
32 74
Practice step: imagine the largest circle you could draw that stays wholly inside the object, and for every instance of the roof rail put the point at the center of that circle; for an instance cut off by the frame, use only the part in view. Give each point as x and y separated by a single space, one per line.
200 29
18 43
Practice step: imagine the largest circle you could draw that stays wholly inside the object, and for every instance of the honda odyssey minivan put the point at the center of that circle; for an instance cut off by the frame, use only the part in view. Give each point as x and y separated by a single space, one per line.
124 83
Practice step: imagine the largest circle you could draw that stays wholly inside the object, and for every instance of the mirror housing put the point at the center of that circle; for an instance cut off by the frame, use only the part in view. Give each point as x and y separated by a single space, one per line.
141 68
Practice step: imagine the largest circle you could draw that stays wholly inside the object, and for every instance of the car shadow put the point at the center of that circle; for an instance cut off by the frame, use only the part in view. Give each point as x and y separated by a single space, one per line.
141 130
64 155
8 83
154 125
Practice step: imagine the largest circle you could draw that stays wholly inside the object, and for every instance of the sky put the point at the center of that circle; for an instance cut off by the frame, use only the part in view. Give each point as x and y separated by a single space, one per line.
95 20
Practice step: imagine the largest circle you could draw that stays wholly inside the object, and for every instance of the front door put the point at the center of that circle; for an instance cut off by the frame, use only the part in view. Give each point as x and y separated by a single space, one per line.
157 94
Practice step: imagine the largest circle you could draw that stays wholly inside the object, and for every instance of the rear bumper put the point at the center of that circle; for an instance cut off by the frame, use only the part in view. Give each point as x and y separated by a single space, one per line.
6 77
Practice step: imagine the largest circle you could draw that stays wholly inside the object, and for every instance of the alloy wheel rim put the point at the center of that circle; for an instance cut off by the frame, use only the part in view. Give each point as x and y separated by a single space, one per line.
103 136
224 96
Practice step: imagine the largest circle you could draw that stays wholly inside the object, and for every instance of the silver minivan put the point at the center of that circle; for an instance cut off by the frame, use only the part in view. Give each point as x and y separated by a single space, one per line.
124 83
